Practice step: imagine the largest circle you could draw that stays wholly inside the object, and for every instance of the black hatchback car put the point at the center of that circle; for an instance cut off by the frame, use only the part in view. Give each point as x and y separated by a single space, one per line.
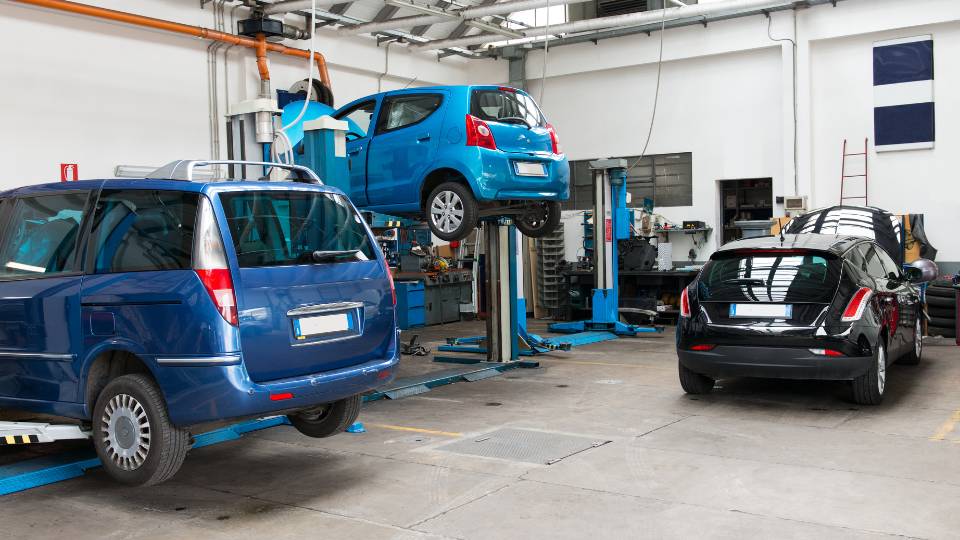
801 306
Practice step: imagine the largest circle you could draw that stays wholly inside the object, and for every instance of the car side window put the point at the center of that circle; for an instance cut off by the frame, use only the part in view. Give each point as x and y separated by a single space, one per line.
358 118
874 266
890 268
406 110
43 234
143 230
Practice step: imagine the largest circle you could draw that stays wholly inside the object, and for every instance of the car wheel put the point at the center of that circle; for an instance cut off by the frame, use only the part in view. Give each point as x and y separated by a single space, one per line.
133 435
539 219
328 420
694 383
912 358
941 292
451 211
868 388
942 322
942 331
942 302
942 312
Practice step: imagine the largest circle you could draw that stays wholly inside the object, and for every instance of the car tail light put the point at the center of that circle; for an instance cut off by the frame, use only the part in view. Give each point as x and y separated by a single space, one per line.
857 304
393 288
283 396
685 303
554 139
507 89
210 263
479 134
703 348
826 352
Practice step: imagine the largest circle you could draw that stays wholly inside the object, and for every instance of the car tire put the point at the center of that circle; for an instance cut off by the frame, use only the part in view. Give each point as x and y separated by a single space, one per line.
943 322
868 389
540 220
942 312
447 203
912 358
693 382
940 301
328 420
942 292
950 332
132 433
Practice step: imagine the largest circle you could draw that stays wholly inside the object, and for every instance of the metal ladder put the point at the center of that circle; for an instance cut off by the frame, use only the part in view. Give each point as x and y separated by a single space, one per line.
844 176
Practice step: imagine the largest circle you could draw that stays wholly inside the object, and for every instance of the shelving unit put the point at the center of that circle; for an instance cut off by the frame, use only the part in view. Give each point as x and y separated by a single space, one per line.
750 199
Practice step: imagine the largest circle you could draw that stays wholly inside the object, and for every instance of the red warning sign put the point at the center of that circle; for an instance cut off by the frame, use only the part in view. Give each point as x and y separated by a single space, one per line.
69 172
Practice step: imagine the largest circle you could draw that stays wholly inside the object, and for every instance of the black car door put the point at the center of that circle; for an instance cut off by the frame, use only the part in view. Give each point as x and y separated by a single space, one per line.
908 301
888 299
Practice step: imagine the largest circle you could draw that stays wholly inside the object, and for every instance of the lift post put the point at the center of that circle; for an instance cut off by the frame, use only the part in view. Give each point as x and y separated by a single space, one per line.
611 224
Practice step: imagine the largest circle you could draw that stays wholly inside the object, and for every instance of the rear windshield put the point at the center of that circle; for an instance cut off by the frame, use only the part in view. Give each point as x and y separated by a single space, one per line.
505 106
276 228
770 277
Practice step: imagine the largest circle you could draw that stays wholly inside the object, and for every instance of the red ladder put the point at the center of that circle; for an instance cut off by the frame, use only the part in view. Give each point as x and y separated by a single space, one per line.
844 176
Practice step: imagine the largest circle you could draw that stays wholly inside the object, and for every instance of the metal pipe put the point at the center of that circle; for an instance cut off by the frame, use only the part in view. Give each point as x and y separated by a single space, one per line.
178 28
261 50
287 6
628 19
501 8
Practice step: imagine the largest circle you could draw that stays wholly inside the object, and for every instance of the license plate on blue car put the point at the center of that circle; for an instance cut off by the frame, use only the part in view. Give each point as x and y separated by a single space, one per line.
530 168
307 327
761 311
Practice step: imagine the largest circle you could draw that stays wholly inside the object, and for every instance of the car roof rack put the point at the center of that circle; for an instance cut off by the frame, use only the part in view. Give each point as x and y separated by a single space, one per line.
183 169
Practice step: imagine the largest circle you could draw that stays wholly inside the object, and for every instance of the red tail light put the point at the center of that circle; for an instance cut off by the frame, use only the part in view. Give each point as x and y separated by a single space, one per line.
703 348
393 288
210 263
479 134
283 396
685 303
554 139
857 304
827 352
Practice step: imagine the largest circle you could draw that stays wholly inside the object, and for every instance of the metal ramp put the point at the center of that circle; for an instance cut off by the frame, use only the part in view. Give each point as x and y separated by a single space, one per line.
411 386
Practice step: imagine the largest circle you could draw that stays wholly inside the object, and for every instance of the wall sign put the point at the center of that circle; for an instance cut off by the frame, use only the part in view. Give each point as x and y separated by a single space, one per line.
69 172
903 105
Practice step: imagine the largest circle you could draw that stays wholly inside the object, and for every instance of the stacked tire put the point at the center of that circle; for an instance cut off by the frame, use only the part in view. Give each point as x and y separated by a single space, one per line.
942 309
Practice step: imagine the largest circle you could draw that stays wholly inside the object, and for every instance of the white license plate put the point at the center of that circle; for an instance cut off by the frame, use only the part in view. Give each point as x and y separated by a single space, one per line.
530 168
761 311
305 327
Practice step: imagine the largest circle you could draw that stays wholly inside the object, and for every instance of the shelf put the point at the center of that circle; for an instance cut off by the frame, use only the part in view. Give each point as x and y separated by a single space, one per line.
687 231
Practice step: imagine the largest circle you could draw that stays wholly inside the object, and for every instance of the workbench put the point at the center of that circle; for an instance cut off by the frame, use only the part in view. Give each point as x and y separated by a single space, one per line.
638 289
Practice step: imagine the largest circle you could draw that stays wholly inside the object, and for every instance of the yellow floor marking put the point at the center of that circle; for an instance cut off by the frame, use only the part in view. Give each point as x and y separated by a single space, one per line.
417 430
947 427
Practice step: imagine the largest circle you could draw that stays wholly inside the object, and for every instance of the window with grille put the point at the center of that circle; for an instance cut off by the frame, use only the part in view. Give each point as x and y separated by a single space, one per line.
667 179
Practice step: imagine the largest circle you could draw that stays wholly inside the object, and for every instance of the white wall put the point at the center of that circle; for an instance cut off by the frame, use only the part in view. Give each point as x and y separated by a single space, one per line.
87 91
726 96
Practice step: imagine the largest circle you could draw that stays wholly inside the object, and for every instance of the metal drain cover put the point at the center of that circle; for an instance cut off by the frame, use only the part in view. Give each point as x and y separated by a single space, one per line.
524 445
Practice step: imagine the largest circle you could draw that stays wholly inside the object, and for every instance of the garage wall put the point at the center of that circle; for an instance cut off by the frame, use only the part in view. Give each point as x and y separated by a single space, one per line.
81 90
727 97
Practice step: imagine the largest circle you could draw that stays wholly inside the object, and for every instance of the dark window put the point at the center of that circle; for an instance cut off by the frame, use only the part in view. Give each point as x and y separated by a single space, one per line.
765 277
665 179
143 230
507 106
874 266
890 268
42 235
407 110
358 119
276 228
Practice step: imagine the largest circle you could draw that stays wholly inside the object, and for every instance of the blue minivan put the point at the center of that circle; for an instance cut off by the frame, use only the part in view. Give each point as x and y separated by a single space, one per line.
454 154
148 307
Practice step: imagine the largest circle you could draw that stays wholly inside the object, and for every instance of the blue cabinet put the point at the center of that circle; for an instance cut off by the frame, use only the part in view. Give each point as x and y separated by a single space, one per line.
410 304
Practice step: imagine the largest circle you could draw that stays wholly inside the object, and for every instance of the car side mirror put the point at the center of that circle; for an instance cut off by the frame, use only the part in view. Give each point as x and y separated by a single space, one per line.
921 271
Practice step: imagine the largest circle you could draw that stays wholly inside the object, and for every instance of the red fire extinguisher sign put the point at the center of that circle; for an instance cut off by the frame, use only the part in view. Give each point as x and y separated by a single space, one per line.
68 172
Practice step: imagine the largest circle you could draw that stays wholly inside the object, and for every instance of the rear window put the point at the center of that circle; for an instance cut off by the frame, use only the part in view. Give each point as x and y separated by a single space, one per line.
278 228
505 106
769 277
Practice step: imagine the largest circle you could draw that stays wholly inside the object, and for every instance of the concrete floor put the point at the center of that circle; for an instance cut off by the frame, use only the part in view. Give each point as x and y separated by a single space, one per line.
756 459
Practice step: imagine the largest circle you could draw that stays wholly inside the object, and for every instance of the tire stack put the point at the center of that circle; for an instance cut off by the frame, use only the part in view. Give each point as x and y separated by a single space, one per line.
942 309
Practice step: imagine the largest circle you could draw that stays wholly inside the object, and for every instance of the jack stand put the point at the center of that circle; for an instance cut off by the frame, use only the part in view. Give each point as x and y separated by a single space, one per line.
611 223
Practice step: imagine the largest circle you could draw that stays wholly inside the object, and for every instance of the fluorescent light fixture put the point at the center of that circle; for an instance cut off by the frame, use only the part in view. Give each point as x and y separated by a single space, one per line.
141 171
495 28
423 8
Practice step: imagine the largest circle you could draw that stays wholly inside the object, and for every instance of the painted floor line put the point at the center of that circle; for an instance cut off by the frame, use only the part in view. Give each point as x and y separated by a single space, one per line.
417 430
947 427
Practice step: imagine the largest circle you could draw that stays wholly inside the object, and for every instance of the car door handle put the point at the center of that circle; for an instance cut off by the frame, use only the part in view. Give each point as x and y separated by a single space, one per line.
355 151
424 137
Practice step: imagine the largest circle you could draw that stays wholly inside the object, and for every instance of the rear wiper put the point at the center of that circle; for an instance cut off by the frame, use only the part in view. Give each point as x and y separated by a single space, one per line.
745 281
328 256
514 120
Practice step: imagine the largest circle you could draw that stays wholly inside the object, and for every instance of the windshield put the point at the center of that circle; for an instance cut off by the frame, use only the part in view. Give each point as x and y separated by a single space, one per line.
793 277
275 228
508 106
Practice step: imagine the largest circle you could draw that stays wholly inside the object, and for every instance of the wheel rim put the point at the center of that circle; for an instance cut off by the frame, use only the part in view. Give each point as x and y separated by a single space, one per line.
126 432
918 339
536 219
881 368
446 211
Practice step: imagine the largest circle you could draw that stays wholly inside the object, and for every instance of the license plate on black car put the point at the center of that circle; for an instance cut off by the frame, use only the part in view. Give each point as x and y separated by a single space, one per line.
761 311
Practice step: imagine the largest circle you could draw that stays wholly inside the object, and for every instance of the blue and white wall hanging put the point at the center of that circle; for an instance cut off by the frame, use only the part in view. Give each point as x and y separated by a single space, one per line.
903 106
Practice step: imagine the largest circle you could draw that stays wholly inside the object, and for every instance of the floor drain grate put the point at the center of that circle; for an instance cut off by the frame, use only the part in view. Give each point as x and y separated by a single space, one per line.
524 445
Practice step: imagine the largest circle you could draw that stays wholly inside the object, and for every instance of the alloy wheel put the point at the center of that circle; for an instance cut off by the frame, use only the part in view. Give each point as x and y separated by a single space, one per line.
446 211
881 368
918 338
126 432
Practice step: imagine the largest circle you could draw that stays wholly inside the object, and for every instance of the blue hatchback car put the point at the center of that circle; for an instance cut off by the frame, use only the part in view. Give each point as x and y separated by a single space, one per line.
454 154
147 307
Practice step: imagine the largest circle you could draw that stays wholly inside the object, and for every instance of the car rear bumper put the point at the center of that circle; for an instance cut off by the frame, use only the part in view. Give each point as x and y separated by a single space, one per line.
773 362
213 393
498 180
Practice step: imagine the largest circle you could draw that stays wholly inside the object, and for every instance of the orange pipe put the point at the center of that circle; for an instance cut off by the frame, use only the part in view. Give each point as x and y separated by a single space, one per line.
262 57
261 46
